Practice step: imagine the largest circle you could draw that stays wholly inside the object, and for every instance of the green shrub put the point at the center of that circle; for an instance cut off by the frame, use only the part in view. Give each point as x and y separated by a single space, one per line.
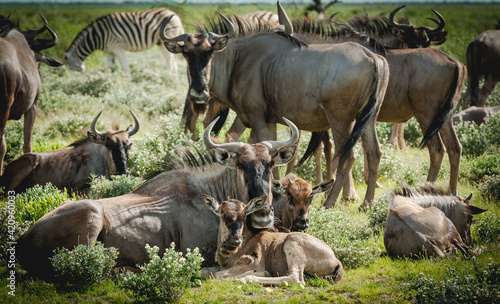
68 126
101 187
84 266
474 170
351 241
476 140
164 279
378 214
481 284
490 186
10 231
486 228
413 133
37 201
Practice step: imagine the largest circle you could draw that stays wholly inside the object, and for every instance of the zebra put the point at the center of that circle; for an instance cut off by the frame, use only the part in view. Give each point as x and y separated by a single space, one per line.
119 32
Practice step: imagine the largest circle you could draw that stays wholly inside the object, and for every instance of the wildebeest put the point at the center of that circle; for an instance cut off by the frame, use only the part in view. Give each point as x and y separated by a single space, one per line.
167 208
292 197
425 83
20 82
414 231
101 153
478 115
483 60
285 256
266 75
119 32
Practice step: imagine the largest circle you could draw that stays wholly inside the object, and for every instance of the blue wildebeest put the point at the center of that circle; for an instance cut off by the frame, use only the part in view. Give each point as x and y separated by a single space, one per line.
263 75
20 82
101 153
119 32
477 115
167 208
243 253
483 60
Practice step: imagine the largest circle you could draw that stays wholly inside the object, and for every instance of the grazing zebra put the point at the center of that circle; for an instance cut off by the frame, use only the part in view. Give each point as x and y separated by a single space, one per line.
119 32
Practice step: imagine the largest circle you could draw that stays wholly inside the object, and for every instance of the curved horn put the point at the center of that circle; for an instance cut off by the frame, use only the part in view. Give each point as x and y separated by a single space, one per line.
391 16
165 38
275 145
231 147
92 126
136 124
441 23
229 24
284 20
54 40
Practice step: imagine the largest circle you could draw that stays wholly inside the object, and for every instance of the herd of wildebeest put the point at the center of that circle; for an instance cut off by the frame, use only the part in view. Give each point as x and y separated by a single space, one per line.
312 75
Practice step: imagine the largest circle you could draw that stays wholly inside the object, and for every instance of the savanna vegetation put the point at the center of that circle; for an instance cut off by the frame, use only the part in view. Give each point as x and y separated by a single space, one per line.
69 101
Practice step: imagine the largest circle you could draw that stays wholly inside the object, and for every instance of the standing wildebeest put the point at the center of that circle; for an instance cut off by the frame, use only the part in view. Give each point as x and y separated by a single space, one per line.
425 83
292 197
285 256
266 75
20 82
483 60
478 115
119 32
167 208
101 153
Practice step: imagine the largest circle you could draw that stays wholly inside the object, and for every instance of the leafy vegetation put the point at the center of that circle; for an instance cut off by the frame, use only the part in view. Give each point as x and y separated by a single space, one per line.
69 101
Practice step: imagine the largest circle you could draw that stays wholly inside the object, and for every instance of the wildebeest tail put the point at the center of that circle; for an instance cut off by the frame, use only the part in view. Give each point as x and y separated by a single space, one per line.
444 112
366 115
473 74
316 138
223 113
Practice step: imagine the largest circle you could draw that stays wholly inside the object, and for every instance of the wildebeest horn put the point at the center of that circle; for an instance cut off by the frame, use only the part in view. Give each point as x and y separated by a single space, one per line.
231 147
136 124
165 38
468 198
391 16
294 138
441 23
284 20
229 24
92 126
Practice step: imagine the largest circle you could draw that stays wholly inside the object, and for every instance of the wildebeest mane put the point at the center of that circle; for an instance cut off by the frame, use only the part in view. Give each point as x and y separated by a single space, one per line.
336 32
79 142
6 25
426 195
244 27
187 159
377 26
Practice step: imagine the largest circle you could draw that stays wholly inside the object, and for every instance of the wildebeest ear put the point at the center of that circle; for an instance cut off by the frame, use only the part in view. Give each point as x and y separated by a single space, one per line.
255 204
475 210
277 187
173 47
211 203
324 186
220 43
224 157
284 155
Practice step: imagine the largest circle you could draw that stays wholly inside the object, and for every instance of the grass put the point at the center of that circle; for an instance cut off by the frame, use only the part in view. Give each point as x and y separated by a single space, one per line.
69 101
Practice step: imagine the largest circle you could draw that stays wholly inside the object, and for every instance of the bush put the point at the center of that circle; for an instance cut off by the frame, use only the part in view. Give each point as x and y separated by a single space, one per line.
490 186
476 140
486 228
352 242
101 187
10 230
476 169
84 266
481 284
378 214
164 279
37 201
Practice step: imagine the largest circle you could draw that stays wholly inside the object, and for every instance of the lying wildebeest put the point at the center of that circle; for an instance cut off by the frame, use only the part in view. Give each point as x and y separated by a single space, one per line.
414 231
20 82
101 153
483 60
119 32
292 197
478 115
413 72
167 208
263 75
285 256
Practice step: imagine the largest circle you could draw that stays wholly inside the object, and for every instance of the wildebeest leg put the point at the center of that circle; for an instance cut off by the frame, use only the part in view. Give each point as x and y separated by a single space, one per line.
317 161
295 276
29 122
291 165
169 59
373 153
436 154
488 86
454 149
235 131
3 148
398 136
460 246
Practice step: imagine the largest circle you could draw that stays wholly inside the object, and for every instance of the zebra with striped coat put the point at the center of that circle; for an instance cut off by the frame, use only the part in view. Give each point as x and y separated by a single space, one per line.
119 32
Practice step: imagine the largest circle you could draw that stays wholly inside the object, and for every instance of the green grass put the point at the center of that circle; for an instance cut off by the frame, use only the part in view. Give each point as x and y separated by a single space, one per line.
69 101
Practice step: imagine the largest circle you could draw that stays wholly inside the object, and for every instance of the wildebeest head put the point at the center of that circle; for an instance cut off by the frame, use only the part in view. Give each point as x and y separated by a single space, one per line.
198 50
254 164
117 143
298 194
232 214
418 37
463 218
